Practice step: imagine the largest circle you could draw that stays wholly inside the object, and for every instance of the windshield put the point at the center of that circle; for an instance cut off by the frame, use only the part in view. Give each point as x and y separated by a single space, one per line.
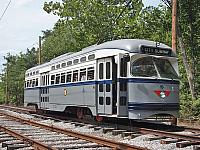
153 67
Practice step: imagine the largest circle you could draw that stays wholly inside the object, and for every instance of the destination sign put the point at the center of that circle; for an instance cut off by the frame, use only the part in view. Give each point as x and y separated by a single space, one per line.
155 51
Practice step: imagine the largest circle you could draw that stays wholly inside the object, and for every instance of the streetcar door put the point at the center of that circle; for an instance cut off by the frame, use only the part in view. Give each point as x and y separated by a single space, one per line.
44 91
104 86
122 85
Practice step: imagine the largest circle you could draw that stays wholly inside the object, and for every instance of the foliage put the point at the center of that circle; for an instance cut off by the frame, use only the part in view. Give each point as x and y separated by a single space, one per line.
13 76
84 23
189 20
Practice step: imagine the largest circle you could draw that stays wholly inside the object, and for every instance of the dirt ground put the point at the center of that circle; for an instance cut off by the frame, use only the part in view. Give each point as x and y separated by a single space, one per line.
192 123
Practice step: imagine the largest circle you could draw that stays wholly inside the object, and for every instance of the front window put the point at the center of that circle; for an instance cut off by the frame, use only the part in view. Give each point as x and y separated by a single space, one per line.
165 69
144 67
153 67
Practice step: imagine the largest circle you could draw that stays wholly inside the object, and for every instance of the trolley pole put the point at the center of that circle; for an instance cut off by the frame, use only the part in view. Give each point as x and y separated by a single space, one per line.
174 21
40 47
6 100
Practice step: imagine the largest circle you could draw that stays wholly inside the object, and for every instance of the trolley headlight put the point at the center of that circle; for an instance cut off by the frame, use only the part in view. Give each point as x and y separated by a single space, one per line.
162 94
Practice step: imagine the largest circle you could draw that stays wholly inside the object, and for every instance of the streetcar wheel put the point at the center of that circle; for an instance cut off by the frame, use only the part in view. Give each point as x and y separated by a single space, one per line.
79 113
99 118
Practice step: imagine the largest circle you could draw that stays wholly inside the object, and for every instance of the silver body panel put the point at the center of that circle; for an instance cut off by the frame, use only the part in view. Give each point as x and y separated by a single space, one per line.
144 102
32 96
77 95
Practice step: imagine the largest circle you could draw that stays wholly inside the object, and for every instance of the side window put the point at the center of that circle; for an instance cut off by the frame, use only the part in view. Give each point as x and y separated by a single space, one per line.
52 79
76 61
52 67
63 65
62 77
91 57
58 66
69 63
33 84
123 68
75 76
83 59
107 70
47 78
44 81
107 100
82 75
57 78
101 71
100 87
107 87
30 84
90 73
36 82
100 100
69 76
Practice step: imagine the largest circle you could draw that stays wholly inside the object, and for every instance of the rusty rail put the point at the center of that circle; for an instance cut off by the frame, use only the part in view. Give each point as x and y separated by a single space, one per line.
170 134
36 144
21 109
101 141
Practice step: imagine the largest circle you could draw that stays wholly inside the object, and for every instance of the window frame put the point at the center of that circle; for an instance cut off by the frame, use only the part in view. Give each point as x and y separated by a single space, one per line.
83 59
69 63
57 79
75 76
69 73
53 80
53 67
61 77
90 69
82 73
75 61
91 57
63 65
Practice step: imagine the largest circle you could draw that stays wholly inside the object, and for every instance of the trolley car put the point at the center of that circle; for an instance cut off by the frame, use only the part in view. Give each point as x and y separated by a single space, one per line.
128 78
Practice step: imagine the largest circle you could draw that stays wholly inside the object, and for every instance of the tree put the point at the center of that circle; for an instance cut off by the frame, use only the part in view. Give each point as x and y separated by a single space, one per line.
14 75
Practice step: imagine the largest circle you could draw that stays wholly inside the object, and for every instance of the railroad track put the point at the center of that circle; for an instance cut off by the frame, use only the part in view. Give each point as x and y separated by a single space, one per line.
34 135
180 139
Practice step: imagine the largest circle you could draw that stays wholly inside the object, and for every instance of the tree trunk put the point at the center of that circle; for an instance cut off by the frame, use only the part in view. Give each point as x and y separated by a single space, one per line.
188 69
192 43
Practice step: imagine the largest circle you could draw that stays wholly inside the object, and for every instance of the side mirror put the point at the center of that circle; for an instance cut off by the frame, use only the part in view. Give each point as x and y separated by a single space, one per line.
126 58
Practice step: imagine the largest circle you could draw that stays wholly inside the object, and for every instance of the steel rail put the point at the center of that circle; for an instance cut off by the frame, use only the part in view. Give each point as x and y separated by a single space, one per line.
170 134
191 129
21 109
36 144
101 141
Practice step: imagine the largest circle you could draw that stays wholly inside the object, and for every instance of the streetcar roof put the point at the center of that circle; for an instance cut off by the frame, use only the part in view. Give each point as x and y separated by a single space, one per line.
129 45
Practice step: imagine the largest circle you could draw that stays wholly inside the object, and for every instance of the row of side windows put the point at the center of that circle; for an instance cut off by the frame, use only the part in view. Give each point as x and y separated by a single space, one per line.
32 73
73 76
31 83
75 61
